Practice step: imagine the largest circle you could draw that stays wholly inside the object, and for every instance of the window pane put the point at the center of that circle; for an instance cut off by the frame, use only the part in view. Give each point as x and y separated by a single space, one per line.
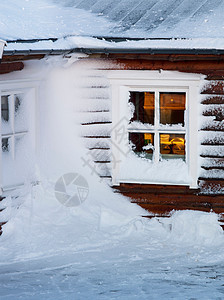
17 103
21 115
142 144
5 145
5 115
172 146
172 107
5 108
144 103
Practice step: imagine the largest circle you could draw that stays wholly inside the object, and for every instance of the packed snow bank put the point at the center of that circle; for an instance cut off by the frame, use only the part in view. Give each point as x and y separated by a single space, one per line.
195 227
43 227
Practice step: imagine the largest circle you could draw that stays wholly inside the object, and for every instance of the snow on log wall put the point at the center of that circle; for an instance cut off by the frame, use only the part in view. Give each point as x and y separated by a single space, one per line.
96 120
211 180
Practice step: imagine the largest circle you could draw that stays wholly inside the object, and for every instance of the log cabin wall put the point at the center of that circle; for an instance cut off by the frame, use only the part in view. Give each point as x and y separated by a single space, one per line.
161 199
96 124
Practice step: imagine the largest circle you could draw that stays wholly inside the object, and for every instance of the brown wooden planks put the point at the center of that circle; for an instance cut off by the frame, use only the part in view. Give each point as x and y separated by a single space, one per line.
11 67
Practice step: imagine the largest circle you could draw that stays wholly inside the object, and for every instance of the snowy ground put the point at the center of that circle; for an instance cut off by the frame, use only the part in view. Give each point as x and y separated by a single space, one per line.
129 269
124 270
101 254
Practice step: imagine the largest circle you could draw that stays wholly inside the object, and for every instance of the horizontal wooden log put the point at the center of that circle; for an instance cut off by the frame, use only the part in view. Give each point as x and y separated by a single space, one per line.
211 178
162 199
10 58
168 208
99 148
211 156
153 189
167 203
213 126
96 123
11 67
210 181
102 161
175 198
215 75
213 100
205 67
212 187
217 112
214 88
96 111
97 136
210 138
213 167
166 57
210 162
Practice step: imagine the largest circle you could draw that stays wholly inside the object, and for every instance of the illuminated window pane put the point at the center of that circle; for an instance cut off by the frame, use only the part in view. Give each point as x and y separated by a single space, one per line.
172 146
144 103
142 144
172 107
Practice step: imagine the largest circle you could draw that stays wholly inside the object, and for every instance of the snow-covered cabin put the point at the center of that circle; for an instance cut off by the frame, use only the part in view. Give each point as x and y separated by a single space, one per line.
147 80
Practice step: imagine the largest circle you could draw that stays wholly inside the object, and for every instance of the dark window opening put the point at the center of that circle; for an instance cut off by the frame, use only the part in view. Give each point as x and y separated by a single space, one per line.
5 108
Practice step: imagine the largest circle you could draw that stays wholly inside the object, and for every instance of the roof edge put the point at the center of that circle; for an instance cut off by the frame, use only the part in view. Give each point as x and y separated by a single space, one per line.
107 51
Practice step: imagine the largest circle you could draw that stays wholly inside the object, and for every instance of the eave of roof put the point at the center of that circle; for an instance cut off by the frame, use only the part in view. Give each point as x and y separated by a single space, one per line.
108 45
88 51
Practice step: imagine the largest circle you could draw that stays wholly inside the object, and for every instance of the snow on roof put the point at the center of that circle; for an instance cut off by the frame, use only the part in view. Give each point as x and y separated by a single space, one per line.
201 22
158 18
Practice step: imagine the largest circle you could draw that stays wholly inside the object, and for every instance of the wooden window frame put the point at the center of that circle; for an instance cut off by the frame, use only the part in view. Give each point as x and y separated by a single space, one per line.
124 81
157 129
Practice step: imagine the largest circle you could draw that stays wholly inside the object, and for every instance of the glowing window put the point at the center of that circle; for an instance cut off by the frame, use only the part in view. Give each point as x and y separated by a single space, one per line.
161 132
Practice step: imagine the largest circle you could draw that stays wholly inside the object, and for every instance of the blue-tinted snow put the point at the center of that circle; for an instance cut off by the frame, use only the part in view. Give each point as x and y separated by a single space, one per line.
27 19
30 19
158 18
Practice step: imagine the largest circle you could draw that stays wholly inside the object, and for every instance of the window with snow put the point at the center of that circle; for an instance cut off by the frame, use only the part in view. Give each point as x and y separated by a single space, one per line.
17 134
154 132
162 116
12 131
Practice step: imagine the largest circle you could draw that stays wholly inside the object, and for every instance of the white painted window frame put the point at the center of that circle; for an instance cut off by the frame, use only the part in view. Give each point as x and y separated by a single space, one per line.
124 81
13 87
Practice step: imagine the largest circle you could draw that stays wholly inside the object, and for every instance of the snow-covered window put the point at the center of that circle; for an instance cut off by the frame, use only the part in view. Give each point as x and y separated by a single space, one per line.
17 132
13 125
154 134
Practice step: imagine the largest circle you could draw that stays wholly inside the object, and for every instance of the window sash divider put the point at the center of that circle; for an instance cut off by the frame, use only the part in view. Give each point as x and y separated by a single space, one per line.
9 135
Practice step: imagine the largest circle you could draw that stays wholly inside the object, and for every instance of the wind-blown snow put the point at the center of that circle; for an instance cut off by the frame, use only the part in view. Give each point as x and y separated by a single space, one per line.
102 249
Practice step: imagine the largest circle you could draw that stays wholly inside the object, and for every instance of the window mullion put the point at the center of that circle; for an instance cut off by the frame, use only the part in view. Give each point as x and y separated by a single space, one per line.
12 123
156 151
